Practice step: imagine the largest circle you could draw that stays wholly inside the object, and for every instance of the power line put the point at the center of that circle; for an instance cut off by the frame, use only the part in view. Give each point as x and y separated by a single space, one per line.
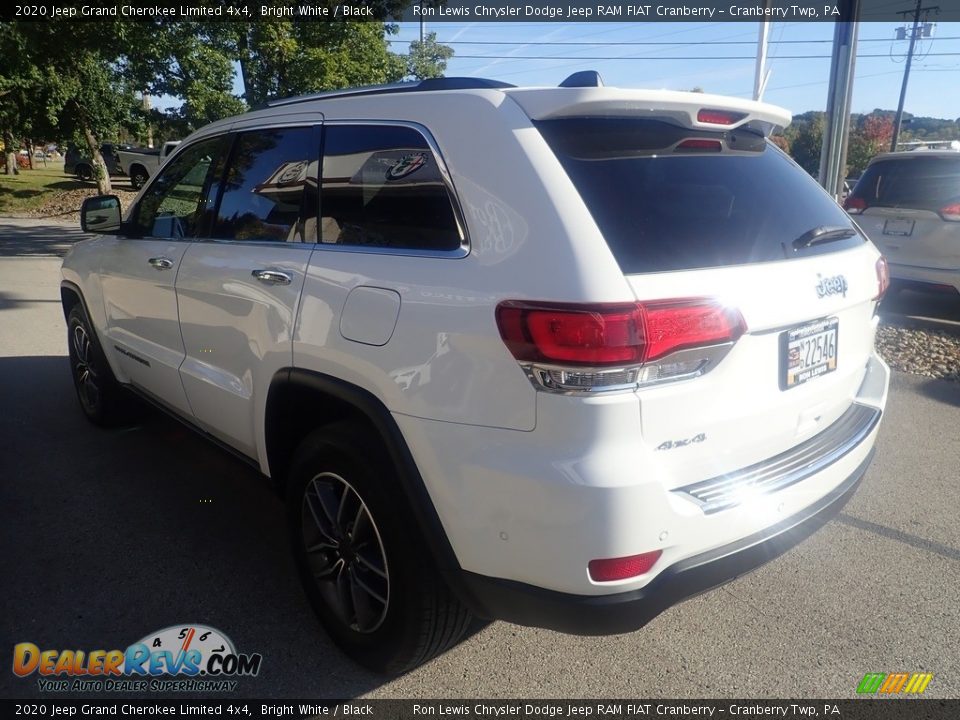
616 43
672 57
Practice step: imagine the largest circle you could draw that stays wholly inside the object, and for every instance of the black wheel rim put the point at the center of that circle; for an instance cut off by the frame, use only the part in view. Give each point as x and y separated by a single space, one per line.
84 374
344 552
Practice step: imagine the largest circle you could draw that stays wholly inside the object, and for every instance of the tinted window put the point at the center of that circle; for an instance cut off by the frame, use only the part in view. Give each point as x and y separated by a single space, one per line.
663 207
174 204
270 187
921 183
381 187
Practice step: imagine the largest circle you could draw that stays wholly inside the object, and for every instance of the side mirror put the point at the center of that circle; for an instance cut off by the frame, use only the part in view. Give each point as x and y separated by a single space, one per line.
100 214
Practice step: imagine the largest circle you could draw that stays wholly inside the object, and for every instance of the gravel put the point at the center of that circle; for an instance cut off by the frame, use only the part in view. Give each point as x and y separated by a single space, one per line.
929 352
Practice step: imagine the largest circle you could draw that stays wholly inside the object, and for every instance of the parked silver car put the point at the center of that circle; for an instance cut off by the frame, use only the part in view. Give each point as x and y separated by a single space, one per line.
908 203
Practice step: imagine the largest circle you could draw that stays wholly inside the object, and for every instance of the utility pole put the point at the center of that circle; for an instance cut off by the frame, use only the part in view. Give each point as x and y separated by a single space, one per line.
906 70
760 77
833 157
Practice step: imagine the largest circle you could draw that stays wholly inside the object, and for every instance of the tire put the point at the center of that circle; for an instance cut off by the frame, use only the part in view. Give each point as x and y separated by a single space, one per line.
138 178
364 566
102 399
84 173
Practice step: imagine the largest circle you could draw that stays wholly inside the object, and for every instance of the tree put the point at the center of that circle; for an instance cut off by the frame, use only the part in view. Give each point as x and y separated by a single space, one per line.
869 136
805 139
428 59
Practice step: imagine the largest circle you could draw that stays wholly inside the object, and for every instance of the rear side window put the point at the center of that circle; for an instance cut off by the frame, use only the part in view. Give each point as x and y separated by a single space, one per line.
381 186
917 183
663 207
270 187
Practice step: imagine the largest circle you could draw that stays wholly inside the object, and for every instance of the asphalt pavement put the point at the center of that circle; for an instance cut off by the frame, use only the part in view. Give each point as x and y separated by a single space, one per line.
106 536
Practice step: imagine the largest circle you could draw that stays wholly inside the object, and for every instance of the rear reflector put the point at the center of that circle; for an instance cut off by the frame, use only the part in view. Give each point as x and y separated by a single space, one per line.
883 277
719 117
854 205
951 212
606 335
611 569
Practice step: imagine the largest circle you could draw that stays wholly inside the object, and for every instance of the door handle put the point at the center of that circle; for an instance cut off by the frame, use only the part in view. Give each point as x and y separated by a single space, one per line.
272 277
161 263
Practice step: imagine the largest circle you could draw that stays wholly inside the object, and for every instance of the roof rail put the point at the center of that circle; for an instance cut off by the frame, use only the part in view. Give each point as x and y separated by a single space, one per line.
430 84
584 78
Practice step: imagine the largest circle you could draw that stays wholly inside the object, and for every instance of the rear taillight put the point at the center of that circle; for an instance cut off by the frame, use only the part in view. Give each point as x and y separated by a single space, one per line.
610 569
719 117
883 277
951 212
854 205
581 347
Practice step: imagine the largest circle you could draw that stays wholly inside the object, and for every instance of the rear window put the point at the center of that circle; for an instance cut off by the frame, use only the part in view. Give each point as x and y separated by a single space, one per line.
664 208
916 183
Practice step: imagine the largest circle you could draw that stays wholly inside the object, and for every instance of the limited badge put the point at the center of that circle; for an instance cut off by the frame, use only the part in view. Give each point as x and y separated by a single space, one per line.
407 165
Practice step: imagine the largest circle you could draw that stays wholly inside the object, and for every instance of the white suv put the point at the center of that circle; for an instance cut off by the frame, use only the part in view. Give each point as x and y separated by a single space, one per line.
558 356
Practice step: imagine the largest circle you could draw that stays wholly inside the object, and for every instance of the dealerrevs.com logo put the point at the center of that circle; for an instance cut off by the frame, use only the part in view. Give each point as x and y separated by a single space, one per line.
180 658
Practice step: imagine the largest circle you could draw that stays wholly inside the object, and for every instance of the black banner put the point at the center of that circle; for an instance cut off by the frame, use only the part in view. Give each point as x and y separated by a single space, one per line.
466 10
857 709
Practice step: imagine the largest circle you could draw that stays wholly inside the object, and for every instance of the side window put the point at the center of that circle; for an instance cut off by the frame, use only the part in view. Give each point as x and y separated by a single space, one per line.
270 187
174 204
381 187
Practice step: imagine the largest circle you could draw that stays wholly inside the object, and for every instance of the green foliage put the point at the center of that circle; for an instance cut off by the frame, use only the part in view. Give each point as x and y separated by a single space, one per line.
428 59
805 140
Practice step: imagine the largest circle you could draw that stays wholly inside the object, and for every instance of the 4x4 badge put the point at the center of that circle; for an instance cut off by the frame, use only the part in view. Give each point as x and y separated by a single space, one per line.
836 285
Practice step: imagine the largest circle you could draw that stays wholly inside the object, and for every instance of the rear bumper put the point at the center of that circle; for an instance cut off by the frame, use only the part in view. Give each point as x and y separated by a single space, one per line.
625 612
914 277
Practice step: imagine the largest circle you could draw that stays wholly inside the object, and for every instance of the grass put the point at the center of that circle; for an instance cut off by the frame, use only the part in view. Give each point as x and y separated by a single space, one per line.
32 188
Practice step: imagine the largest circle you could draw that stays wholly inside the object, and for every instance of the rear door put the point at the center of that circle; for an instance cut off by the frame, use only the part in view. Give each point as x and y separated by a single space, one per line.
727 216
902 203
239 288
139 273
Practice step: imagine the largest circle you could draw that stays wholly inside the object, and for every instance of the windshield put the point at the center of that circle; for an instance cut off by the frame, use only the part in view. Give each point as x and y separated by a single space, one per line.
917 183
665 203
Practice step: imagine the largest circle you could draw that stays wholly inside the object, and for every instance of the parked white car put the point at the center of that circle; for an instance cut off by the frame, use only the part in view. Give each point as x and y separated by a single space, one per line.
908 203
557 356
142 163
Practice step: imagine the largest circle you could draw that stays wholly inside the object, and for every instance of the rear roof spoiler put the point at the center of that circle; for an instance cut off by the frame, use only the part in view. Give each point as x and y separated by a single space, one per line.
692 110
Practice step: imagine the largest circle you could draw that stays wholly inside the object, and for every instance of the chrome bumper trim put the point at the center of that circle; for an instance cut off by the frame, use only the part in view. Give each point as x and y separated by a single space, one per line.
790 467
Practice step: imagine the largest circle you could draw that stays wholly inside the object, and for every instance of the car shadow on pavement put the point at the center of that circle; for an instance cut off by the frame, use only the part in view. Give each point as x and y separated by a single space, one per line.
37 239
111 535
943 391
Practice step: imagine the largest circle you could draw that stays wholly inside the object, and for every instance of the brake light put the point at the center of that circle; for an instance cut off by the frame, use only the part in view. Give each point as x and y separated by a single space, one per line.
951 212
883 277
710 145
617 344
610 569
719 117
854 205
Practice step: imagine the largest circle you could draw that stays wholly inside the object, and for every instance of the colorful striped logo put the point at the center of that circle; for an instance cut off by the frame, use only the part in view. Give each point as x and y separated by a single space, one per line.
893 683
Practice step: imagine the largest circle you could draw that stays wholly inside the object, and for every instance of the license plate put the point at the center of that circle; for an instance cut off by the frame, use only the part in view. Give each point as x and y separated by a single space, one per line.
900 228
808 351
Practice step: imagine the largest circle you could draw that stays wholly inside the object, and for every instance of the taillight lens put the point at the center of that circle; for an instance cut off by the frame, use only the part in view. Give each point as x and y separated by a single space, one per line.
883 277
619 343
610 569
701 145
719 117
854 205
951 212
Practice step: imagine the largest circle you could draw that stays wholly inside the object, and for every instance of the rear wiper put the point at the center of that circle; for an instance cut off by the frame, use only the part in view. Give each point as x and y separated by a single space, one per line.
822 234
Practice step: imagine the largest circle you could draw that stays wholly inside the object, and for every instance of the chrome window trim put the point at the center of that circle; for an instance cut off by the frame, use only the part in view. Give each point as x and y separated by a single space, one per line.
788 468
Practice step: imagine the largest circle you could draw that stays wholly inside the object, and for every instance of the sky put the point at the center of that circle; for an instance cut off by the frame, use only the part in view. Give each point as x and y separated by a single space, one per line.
799 84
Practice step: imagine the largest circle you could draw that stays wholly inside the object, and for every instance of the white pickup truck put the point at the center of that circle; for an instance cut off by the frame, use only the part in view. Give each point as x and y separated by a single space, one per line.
141 163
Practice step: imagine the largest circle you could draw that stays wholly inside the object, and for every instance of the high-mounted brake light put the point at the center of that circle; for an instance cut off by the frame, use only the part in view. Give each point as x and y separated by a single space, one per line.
702 145
719 117
883 277
590 347
610 569
854 205
951 212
